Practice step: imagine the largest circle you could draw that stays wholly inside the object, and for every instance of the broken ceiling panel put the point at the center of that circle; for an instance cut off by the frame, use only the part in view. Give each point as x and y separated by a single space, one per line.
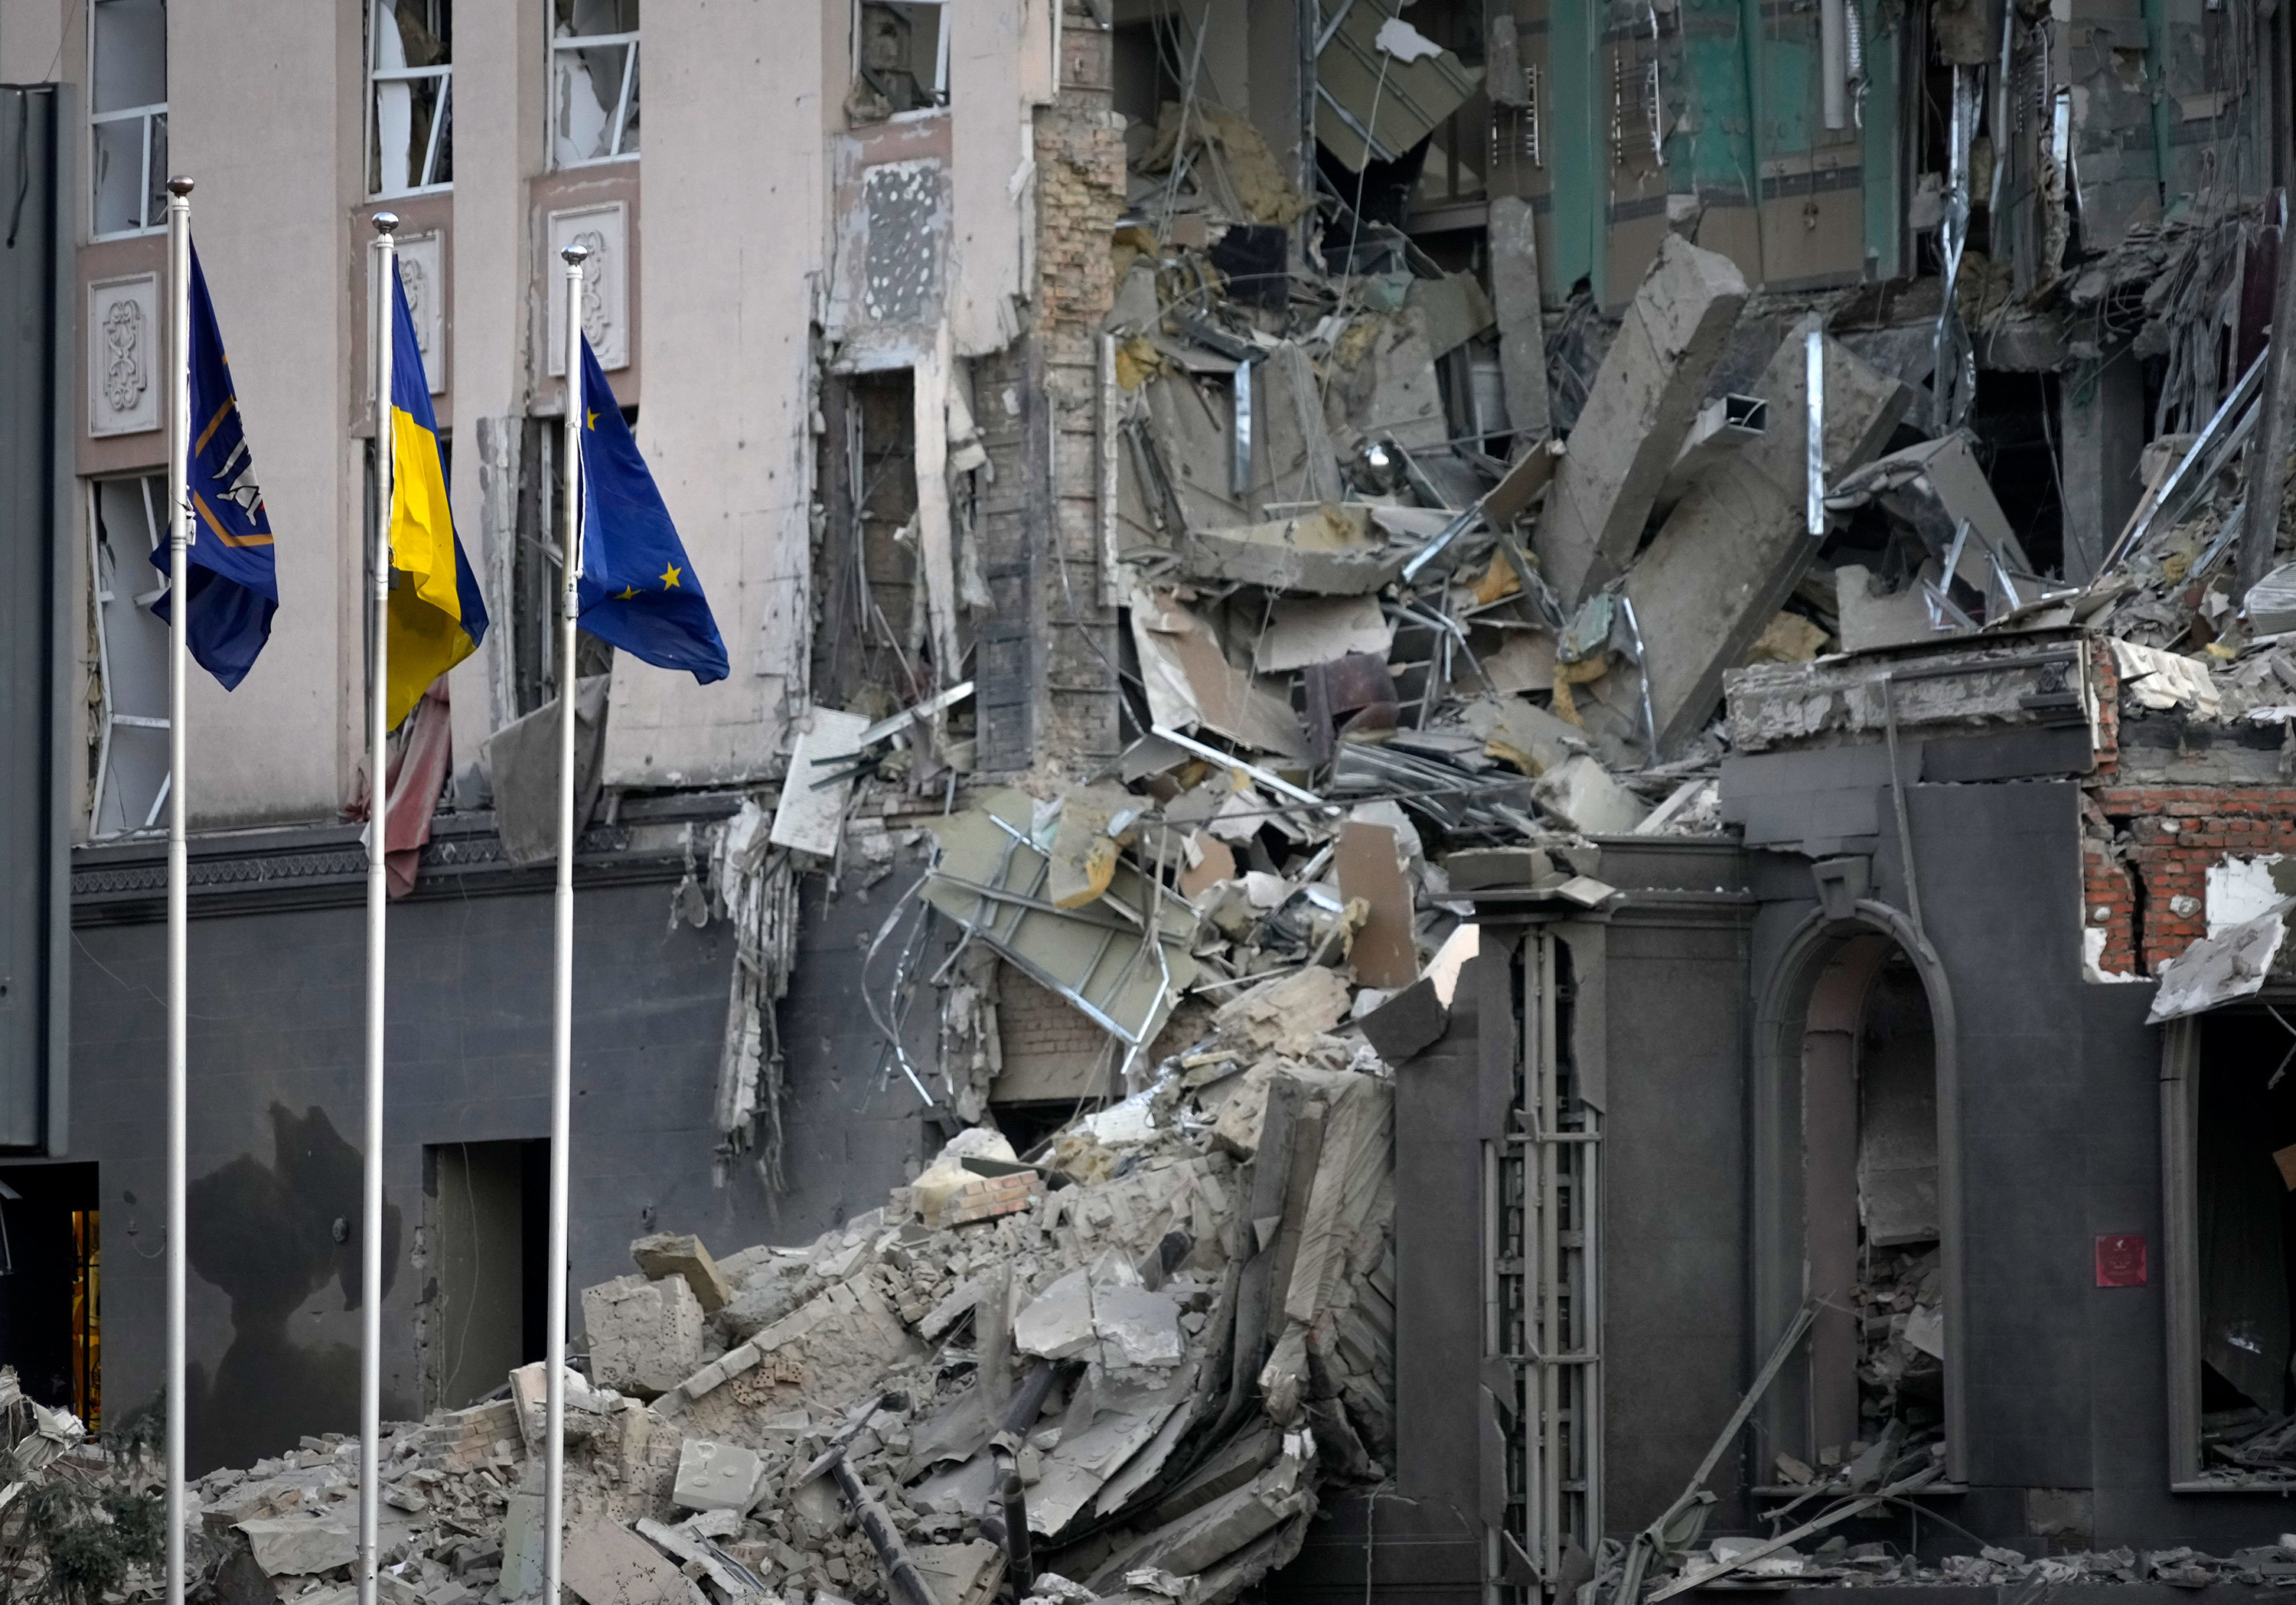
1380 88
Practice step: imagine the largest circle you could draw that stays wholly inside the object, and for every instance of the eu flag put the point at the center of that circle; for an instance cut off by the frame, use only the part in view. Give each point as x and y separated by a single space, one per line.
638 592
232 584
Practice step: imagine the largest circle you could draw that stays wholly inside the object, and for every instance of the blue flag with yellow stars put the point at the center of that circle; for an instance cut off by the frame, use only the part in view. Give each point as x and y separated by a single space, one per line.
233 585
638 592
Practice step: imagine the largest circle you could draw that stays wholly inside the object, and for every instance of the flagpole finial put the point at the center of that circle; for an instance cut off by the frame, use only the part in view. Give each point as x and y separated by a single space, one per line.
179 185
386 223
575 255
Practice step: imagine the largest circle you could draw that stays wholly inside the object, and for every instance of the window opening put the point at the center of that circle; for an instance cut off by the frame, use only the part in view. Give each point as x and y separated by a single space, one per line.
410 79
594 91
533 641
128 783
127 115
900 55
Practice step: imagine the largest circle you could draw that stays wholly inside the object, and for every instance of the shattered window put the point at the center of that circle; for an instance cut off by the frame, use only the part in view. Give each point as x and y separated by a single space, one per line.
901 60
410 79
593 81
127 114
128 745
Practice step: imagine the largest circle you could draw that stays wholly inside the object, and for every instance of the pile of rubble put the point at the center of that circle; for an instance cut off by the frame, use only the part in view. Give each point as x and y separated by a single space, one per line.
1121 1366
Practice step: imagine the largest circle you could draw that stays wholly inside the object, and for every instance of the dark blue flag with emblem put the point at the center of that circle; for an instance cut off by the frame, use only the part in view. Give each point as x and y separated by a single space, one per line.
232 583
638 591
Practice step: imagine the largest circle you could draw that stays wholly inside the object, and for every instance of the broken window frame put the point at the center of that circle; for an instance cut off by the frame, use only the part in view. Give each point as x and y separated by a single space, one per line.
940 54
109 720
438 149
2179 1259
151 120
622 120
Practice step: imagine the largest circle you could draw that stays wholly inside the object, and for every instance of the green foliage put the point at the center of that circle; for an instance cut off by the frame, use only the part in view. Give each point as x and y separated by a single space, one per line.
89 1538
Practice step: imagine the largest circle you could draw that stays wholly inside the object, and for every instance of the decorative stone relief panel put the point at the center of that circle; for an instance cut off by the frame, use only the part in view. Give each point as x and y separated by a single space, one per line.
605 283
124 337
422 269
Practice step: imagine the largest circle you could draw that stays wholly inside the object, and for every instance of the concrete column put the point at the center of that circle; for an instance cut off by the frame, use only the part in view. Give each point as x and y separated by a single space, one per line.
499 76
1646 394
2101 410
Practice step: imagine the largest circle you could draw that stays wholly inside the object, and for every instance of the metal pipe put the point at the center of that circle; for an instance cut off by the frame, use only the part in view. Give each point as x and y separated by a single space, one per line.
386 279
179 539
1813 477
561 994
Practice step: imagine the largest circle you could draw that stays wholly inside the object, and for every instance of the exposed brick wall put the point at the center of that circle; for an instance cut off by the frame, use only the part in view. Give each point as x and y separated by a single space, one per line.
1047 652
2149 851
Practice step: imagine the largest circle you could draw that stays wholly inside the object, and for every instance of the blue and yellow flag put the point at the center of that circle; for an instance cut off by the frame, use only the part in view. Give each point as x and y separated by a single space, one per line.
232 580
638 592
436 616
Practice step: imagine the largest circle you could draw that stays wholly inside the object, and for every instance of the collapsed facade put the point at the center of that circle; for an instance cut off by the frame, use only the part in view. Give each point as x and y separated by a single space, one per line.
1692 573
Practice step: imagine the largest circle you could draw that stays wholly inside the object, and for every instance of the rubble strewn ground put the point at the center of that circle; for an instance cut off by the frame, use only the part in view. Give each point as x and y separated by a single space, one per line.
1149 1346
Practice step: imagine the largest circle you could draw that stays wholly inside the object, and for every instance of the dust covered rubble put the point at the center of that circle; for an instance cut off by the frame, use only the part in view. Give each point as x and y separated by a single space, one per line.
1148 1346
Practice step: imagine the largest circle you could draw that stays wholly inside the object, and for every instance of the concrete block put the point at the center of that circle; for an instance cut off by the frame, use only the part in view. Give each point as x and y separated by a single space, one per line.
1731 554
1522 333
1645 395
522 1546
645 1337
607 1564
1057 1322
297 1546
1138 1327
682 1255
715 1476
1581 794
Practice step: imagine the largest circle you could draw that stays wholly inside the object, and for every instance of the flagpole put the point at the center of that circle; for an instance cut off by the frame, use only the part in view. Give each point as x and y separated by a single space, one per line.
179 537
386 270
562 1043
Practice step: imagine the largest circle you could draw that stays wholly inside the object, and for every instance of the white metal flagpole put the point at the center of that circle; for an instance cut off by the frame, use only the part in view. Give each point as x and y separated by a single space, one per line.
561 1035
385 275
179 537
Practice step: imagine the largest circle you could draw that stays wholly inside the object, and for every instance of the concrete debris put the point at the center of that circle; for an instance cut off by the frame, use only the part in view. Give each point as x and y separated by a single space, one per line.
1098 1339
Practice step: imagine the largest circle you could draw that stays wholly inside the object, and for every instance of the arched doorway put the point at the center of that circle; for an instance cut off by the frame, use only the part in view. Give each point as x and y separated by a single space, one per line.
1854 1168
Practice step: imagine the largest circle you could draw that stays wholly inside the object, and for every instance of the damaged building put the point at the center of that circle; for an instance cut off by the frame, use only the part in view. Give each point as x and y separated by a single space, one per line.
1507 809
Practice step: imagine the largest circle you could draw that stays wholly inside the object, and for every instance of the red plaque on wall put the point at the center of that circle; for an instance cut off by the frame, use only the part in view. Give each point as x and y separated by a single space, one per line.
2120 1260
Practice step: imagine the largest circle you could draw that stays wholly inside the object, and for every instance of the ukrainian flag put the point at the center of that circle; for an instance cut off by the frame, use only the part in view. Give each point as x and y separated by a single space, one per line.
436 616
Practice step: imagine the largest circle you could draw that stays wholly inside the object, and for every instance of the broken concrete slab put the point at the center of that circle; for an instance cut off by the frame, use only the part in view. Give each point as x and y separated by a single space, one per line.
1287 1014
960 1573
1137 1326
1455 309
681 1255
714 1476
1381 385
604 1563
1327 551
1056 1324
645 1336
1730 554
1515 296
298 1546
1872 619
2228 966
1643 400
1936 486
1581 794
1304 630
811 812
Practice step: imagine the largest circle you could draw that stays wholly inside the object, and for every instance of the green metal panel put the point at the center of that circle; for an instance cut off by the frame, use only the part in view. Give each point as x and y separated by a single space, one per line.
1578 116
1885 196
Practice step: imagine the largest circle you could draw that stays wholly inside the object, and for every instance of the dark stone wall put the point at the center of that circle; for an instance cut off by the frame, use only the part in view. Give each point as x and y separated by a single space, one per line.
276 1072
